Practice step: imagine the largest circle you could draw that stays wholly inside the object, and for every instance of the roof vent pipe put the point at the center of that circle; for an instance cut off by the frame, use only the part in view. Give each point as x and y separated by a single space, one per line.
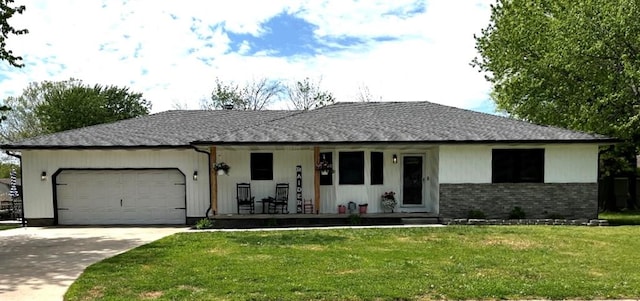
228 107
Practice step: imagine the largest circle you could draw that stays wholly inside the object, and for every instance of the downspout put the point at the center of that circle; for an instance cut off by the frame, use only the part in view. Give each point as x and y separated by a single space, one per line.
206 214
24 222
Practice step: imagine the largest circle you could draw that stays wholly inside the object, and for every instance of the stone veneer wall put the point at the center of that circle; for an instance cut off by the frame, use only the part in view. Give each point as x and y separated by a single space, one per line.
537 200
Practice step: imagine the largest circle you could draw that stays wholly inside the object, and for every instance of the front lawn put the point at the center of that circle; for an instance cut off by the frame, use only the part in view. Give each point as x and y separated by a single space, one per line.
621 218
455 262
7 227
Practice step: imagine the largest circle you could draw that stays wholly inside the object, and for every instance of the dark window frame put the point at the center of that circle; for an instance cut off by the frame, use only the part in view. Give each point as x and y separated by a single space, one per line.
377 168
261 166
351 168
517 165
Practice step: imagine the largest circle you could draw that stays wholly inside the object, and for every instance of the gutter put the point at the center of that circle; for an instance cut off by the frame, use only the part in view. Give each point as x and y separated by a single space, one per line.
206 214
24 222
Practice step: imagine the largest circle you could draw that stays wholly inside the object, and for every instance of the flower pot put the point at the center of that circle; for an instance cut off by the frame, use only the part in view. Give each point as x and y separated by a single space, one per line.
324 172
342 209
362 208
221 172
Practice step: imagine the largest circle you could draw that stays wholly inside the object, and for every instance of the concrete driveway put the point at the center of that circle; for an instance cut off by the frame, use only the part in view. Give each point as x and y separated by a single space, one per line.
41 263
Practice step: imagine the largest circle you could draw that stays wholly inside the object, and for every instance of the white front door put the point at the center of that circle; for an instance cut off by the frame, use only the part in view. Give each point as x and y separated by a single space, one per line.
151 196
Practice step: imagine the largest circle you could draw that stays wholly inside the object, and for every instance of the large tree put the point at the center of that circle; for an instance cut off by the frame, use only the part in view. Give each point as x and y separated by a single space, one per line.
254 95
21 122
307 95
74 105
568 63
7 10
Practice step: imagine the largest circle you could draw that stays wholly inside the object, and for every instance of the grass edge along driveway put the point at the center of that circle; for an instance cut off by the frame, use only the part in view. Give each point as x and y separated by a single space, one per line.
457 262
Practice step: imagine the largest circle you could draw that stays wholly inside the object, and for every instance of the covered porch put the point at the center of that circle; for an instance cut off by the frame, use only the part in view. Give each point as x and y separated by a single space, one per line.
359 174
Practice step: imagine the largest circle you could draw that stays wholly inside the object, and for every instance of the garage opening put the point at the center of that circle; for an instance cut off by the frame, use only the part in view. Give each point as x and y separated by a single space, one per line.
108 197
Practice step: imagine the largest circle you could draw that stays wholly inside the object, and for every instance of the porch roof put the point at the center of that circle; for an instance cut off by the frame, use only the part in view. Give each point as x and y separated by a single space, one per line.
341 123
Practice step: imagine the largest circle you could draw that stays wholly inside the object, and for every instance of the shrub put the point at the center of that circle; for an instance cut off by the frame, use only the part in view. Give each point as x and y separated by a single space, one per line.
517 213
476 214
354 219
204 223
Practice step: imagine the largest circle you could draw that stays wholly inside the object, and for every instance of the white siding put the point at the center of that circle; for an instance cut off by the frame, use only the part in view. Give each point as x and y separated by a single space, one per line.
564 163
284 163
571 164
38 195
465 164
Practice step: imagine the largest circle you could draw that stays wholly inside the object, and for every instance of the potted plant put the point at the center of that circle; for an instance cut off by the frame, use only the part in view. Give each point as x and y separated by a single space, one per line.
362 208
342 209
324 167
389 201
222 168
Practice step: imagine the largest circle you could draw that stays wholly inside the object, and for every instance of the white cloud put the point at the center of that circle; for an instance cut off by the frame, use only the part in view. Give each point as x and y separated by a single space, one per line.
172 50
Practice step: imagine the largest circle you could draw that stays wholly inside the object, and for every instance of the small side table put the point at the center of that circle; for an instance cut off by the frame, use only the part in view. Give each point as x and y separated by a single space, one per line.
265 202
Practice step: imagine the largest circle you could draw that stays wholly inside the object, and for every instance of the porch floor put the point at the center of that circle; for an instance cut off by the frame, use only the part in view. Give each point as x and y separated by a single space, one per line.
322 219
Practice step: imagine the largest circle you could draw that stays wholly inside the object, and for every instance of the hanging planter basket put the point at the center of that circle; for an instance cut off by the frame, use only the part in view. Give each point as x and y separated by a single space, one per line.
325 172
222 168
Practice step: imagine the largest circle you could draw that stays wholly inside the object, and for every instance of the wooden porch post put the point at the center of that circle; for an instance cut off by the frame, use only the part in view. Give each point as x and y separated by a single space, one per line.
316 179
213 175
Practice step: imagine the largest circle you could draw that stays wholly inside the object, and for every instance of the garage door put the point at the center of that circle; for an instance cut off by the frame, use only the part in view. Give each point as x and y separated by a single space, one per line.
98 197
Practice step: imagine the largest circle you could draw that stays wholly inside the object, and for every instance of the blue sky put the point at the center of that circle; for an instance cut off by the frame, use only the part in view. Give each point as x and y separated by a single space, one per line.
172 52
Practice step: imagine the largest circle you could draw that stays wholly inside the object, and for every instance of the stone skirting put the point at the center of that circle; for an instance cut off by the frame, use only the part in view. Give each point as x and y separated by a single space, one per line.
537 200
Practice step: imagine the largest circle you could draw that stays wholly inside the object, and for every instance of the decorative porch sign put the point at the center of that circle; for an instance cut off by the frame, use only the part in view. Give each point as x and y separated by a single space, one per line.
298 189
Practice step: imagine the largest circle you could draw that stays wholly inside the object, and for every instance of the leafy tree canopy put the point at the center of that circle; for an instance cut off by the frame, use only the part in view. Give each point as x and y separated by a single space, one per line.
306 95
7 10
72 104
568 63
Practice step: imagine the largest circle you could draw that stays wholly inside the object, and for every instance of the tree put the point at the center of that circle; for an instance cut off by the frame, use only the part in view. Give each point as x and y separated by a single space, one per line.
255 95
364 94
260 93
568 63
306 95
6 12
74 105
21 122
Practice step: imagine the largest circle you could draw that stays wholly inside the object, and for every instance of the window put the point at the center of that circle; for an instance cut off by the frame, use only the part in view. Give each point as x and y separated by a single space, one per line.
351 169
326 179
377 172
517 166
261 166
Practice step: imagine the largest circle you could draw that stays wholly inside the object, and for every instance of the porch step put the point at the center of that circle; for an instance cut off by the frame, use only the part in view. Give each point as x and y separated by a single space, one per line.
420 220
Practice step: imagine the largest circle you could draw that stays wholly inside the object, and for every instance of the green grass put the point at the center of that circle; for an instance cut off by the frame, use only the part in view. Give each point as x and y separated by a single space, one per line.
621 218
493 262
7 227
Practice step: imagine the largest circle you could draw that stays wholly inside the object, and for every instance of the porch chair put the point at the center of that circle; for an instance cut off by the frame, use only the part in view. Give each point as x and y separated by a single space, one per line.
281 199
244 198
307 206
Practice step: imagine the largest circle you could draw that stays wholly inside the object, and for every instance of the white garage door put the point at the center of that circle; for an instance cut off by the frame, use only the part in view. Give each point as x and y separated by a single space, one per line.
99 197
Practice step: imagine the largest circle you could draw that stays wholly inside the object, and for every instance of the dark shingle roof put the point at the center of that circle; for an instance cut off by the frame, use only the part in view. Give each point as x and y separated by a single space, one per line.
165 129
397 122
379 122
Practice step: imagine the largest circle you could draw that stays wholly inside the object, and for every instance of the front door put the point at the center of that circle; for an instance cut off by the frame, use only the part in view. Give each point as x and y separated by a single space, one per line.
412 176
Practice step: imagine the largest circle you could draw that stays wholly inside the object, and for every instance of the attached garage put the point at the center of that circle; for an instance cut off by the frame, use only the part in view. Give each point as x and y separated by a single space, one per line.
102 197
